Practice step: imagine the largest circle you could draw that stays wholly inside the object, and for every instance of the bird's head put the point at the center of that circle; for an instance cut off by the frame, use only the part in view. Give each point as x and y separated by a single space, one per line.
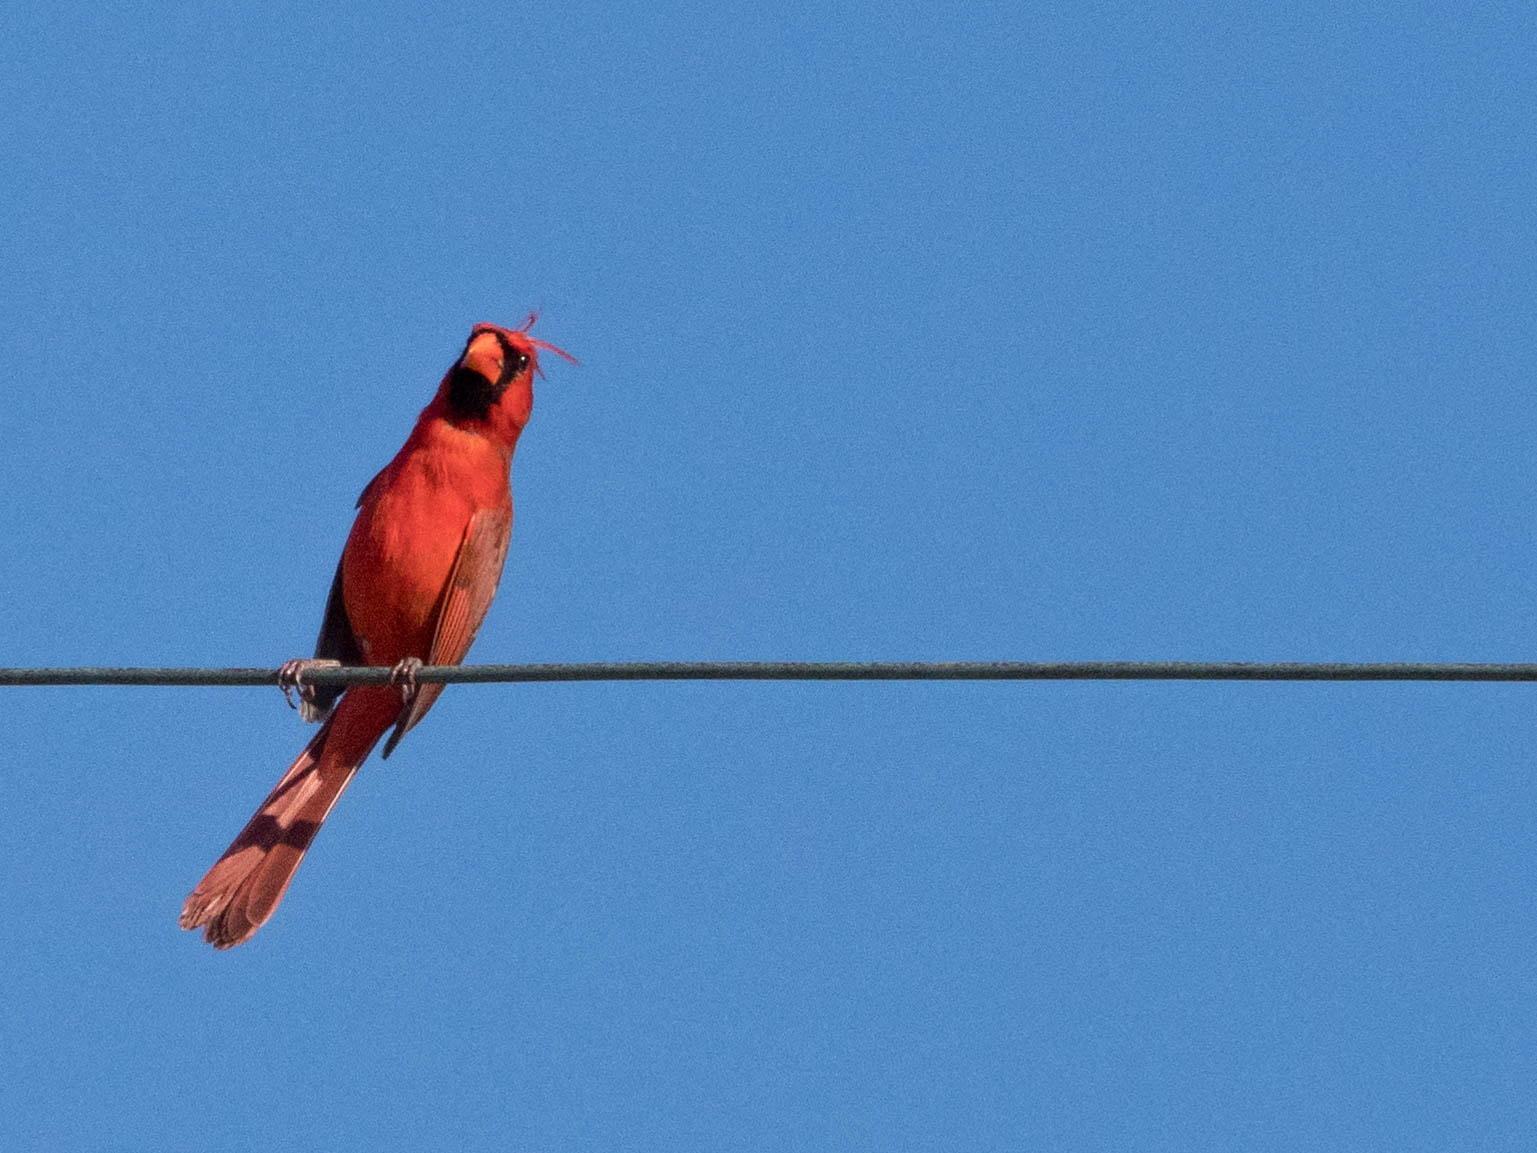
490 388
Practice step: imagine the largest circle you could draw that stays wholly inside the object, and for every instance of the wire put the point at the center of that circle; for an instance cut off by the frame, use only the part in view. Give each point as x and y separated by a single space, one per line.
798 671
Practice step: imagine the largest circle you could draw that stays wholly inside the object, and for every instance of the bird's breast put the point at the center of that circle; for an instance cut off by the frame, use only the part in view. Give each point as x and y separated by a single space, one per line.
406 538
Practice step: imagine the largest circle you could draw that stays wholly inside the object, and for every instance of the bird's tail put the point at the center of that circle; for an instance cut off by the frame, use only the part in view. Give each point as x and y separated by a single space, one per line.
240 892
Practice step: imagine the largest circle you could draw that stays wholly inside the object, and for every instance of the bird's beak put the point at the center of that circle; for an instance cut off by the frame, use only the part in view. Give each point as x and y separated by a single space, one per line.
484 355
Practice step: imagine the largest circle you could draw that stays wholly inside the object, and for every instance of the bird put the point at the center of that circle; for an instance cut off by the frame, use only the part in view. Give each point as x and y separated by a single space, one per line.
415 579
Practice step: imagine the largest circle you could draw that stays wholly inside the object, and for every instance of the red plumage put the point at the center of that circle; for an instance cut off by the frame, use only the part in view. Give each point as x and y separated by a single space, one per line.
415 579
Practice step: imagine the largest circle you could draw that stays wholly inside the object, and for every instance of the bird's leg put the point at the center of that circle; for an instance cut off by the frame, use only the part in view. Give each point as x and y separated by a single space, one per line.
291 674
403 676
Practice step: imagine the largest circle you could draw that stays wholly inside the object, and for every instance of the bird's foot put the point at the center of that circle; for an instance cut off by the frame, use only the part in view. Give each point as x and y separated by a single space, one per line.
403 677
291 680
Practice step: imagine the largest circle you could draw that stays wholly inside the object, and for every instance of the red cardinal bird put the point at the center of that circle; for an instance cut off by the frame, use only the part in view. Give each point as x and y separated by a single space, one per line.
415 579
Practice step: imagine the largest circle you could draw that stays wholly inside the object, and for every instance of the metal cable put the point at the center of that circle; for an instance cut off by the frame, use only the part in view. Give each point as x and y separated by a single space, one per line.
800 671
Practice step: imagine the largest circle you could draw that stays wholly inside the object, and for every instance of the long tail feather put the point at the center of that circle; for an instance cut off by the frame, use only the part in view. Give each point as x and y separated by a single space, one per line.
243 888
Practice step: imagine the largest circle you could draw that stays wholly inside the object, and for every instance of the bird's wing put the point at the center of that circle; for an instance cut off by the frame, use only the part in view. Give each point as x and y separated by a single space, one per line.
471 585
337 642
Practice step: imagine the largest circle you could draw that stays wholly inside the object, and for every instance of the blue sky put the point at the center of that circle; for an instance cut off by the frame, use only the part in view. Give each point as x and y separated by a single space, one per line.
1114 331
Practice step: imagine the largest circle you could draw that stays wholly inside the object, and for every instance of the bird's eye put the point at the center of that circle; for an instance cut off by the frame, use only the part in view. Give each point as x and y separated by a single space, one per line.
519 363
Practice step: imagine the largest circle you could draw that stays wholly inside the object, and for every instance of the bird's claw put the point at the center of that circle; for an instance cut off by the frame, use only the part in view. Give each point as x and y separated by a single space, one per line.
403 677
290 678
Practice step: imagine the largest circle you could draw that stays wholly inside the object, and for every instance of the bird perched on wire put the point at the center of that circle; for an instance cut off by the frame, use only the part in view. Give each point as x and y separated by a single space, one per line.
414 582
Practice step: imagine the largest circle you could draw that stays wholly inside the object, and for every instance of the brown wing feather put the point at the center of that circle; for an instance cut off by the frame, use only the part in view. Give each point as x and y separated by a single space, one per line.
471 585
337 642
